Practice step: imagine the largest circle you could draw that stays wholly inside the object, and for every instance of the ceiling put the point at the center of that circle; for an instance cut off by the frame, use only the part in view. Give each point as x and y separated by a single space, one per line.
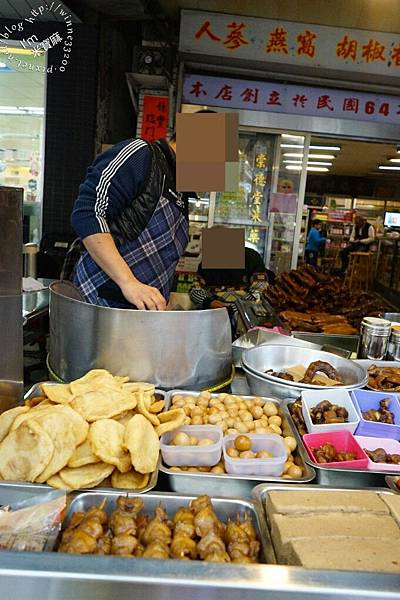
360 159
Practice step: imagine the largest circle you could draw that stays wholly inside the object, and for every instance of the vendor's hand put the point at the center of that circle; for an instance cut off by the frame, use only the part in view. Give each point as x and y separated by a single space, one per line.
144 297
217 304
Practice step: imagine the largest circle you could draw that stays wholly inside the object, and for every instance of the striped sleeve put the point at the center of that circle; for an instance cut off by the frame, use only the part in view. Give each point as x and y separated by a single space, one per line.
115 178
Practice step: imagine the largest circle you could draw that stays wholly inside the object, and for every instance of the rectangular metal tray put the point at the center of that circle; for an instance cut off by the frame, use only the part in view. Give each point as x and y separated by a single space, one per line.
227 485
225 508
35 391
347 478
347 342
260 494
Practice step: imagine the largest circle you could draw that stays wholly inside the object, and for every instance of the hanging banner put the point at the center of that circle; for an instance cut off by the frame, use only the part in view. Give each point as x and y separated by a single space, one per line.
290 99
154 118
287 42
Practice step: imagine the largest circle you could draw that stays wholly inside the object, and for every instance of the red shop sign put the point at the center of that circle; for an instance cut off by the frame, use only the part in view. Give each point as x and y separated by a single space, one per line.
155 117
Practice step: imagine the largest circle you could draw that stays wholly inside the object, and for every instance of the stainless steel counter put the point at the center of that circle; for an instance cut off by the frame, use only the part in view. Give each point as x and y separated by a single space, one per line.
67 577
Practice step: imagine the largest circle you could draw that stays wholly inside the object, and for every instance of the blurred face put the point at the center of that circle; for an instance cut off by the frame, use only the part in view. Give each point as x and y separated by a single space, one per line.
317 226
359 221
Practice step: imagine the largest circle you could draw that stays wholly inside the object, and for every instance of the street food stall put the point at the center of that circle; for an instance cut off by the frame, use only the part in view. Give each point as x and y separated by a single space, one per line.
253 474
152 466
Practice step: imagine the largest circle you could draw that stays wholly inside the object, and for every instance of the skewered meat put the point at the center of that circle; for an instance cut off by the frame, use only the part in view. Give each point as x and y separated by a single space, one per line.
210 544
205 521
124 545
80 542
194 533
320 366
121 524
183 547
217 557
158 529
104 544
199 503
156 550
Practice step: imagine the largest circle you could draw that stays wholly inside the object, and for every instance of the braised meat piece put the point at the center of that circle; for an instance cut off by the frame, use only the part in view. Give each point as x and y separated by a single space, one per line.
320 366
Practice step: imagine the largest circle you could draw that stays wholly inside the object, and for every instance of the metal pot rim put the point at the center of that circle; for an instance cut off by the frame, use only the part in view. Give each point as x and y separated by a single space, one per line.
363 381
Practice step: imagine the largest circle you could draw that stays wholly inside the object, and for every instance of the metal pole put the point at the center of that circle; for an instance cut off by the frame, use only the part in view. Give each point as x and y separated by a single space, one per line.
300 202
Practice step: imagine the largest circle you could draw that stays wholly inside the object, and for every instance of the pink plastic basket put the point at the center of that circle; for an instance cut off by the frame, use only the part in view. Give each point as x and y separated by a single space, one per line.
344 441
390 446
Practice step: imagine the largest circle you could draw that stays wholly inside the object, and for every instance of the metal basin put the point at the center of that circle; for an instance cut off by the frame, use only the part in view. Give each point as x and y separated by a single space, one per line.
257 360
185 349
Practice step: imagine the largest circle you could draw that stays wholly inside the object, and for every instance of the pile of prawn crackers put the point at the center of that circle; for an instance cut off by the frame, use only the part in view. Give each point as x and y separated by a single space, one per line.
78 435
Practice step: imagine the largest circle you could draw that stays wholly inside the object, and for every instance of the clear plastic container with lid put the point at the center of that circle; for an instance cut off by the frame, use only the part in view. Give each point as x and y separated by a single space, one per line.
394 344
266 467
193 455
374 338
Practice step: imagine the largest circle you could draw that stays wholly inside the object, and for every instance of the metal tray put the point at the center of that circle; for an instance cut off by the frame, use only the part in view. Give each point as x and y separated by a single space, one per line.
346 478
260 494
225 508
347 342
227 485
35 391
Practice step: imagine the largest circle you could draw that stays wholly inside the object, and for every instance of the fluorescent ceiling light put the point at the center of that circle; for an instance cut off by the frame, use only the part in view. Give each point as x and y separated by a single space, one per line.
300 155
286 136
385 168
333 148
300 146
395 160
2 65
311 162
298 168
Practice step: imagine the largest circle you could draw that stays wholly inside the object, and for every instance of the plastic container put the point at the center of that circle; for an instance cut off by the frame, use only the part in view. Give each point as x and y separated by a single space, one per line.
344 441
257 466
193 456
364 400
311 398
390 447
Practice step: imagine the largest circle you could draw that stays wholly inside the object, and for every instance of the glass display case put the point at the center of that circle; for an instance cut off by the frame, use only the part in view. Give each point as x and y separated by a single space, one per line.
268 203
248 207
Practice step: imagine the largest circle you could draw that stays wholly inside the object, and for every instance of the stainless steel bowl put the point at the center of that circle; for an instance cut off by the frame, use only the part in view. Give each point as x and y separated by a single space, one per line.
256 361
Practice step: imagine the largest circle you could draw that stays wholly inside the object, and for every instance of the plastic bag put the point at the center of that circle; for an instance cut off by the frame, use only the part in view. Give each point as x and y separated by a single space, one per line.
32 525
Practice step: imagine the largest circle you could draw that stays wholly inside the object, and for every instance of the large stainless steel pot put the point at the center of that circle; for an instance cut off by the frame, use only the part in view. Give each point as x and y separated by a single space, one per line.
257 360
185 349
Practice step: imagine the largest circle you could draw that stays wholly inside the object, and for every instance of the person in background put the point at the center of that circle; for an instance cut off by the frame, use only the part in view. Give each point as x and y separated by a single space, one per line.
315 242
362 237
220 288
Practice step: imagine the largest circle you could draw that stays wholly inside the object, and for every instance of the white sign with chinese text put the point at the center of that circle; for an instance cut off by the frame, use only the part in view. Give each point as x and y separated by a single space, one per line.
286 42
290 99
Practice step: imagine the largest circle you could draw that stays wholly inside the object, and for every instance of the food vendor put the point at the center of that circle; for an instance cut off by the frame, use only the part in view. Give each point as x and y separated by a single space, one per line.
315 241
133 224
361 239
